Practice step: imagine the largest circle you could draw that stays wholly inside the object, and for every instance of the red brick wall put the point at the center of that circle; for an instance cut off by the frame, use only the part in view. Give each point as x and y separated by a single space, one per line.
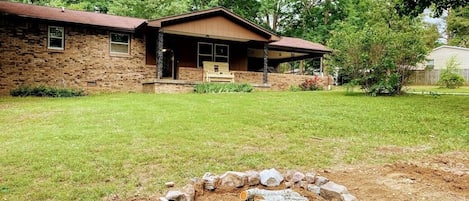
85 63
277 81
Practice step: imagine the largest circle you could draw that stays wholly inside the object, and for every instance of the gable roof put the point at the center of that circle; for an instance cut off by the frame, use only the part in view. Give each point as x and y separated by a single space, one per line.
217 11
287 43
450 47
128 24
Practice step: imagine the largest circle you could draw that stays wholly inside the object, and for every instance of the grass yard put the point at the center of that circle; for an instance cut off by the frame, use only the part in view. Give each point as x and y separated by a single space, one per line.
87 148
438 89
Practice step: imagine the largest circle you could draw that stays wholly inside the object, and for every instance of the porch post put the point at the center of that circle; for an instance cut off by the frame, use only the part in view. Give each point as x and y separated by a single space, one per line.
266 59
159 53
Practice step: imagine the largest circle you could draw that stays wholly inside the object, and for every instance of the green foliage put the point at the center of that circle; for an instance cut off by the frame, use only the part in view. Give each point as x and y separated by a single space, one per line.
376 48
416 7
222 88
458 27
44 91
450 78
312 84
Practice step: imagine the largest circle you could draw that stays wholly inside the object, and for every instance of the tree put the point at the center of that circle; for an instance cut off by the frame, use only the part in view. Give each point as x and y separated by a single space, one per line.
148 9
376 48
315 19
416 7
458 27
273 14
431 35
245 8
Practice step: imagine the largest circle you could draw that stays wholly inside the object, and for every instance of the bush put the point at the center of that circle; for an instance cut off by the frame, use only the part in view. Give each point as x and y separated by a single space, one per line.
450 78
222 88
44 91
312 84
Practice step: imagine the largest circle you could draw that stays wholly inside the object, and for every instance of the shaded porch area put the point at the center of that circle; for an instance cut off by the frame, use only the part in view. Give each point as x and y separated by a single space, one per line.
181 47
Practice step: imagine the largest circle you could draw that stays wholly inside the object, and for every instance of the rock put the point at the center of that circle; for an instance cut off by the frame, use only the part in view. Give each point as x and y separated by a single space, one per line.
210 181
231 180
253 178
331 191
189 192
302 184
272 195
169 184
298 176
313 188
320 180
289 184
348 197
270 177
163 199
175 196
198 186
294 176
310 177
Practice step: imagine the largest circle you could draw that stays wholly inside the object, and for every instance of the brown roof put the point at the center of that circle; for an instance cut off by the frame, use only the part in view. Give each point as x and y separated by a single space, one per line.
70 16
217 11
298 43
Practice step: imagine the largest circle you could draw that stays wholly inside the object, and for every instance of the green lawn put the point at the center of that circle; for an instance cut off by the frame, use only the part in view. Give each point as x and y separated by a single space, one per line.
438 89
87 148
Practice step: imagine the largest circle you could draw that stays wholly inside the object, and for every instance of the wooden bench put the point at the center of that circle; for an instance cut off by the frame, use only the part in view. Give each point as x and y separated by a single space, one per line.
217 72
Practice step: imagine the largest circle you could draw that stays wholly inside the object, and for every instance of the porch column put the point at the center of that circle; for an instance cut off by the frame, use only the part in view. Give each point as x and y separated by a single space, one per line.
266 59
159 53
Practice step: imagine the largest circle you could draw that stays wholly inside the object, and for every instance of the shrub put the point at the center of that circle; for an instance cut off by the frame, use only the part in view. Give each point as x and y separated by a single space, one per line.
222 88
44 91
450 78
312 84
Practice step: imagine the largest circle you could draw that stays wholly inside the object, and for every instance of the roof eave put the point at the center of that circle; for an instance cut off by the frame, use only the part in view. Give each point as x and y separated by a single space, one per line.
120 29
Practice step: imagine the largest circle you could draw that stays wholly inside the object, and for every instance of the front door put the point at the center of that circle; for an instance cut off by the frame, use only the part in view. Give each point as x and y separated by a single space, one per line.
168 64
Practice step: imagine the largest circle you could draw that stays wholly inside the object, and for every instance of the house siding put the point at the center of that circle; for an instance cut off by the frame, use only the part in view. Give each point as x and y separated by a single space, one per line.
443 54
85 63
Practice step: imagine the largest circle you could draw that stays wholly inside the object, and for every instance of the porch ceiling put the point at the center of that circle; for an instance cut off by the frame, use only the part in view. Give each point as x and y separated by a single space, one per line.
275 54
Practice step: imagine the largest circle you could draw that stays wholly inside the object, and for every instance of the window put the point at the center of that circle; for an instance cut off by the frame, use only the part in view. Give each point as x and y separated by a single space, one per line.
430 64
55 39
207 52
119 43
221 53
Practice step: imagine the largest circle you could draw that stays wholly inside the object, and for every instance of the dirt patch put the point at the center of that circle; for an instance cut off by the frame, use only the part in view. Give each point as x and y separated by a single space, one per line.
444 177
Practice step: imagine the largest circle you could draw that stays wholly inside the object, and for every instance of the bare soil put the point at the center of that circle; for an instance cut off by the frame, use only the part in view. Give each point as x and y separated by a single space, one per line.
440 178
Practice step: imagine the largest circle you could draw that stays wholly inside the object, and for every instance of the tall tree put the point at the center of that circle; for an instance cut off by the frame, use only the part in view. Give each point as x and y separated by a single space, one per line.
273 14
458 27
315 19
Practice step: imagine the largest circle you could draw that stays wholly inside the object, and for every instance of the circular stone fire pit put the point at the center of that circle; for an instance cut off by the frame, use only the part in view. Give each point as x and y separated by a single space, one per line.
267 185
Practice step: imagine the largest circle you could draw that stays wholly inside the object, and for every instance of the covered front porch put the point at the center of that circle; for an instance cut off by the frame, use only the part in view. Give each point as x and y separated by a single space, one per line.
178 46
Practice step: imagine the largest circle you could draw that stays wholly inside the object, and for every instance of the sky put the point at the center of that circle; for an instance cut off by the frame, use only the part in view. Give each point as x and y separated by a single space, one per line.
438 21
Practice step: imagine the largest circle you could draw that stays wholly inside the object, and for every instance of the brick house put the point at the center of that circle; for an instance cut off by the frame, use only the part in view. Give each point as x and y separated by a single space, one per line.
100 52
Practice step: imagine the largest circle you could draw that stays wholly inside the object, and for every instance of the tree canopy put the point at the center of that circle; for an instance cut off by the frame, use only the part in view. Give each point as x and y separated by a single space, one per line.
416 7
458 27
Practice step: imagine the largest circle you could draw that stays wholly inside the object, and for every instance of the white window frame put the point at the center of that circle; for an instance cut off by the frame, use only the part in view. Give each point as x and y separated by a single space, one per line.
213 54
227 56
119 43
49 36
199 65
